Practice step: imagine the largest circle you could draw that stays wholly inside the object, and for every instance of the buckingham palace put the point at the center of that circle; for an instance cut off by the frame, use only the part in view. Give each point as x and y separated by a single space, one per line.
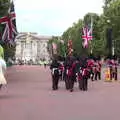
31 46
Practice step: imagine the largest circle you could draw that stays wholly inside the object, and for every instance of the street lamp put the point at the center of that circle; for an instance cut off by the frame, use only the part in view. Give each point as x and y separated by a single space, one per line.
109 39
108 21
110 24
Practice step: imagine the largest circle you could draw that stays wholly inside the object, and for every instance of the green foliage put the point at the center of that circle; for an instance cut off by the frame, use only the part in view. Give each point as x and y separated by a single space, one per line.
73 33
111 14
9 51
4 5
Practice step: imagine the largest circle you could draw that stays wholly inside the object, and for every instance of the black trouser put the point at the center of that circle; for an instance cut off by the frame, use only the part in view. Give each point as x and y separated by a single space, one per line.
67 82
114 75
98 75
60 75
80 84
111 72
85 83
91 75
71 82
55 79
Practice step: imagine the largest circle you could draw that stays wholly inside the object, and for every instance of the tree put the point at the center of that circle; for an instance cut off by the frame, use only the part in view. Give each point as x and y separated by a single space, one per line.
74 33
112 13
54 39
109 19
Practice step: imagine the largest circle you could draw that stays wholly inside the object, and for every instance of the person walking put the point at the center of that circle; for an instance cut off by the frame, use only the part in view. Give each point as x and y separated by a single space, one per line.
2 72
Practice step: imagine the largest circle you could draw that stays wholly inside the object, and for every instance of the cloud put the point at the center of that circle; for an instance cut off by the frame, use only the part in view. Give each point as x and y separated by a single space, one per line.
53 16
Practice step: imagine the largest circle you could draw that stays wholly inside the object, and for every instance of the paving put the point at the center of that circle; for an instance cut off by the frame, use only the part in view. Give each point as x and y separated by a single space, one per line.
28 96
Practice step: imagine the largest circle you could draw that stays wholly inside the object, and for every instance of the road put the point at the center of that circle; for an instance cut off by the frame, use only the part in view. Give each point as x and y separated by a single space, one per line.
28 96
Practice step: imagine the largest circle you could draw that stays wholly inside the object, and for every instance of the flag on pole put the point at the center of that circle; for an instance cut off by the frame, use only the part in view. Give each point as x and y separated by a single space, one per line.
87 36
54 47
62 41
70 47
63 48
9 25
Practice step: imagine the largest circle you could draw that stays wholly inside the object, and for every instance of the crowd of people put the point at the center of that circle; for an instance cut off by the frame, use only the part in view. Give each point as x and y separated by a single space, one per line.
79 70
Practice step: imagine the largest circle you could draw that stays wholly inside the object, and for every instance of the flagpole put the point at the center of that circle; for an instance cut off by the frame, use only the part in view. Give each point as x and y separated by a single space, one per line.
91 49
10 6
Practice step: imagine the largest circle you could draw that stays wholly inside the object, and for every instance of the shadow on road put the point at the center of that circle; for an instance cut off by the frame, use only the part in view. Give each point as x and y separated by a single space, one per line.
11 96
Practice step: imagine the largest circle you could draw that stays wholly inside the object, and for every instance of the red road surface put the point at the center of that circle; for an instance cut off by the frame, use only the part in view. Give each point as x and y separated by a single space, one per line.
28 96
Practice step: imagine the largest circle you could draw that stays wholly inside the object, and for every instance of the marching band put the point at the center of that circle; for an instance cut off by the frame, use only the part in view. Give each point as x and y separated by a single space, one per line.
80 70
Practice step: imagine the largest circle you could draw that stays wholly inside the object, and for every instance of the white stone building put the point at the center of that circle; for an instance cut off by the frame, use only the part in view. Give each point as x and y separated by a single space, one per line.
31 46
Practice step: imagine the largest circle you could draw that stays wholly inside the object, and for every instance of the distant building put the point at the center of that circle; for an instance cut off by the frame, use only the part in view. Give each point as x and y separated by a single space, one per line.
31 46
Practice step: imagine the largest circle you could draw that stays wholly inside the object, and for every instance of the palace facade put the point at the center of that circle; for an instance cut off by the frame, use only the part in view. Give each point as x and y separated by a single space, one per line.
31 46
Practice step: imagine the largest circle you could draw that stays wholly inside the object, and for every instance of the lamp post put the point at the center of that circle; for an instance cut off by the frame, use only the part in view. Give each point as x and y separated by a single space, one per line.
112 26
109 38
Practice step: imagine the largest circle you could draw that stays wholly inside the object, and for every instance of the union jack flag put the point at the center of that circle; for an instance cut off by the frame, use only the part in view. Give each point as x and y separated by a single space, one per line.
54 46
70 47
9 25
87 36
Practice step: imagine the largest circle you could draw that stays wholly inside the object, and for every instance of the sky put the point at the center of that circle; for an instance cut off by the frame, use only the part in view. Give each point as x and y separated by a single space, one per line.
52 17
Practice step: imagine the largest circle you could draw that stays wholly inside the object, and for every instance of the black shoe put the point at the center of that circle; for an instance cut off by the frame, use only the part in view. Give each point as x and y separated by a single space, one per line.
71 90
67 88
86 89
54 88
80 88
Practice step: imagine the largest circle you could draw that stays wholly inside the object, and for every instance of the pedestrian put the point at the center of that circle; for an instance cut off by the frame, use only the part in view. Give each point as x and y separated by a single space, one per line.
45 65
2 72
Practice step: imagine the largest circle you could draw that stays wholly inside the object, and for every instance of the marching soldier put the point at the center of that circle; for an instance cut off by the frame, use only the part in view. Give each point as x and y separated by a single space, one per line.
61 69
72 74
110 65
79 77
67 73
79 73
97 70
70 69
114 70
85 76
90 65
55 74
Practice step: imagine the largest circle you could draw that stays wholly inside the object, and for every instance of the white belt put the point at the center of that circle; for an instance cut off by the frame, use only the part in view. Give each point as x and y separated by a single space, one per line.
54 70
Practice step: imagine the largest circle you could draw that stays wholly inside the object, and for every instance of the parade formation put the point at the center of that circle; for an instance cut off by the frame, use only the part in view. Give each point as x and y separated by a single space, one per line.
81 70
36 60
